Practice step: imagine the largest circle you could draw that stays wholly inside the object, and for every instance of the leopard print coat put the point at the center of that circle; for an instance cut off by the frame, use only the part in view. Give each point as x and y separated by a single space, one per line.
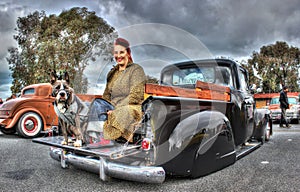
125 90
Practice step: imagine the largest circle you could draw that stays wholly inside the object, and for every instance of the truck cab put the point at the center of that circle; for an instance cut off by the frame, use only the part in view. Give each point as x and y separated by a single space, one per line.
218 72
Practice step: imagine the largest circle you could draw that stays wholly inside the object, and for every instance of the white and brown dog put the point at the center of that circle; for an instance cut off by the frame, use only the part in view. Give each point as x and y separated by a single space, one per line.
71 111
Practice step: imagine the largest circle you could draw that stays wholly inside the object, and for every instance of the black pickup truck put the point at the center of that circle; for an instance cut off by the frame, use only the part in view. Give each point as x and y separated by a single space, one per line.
199 119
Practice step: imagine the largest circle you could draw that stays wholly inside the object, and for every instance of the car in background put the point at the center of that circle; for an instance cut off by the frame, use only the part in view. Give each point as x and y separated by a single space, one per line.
293 113
32 113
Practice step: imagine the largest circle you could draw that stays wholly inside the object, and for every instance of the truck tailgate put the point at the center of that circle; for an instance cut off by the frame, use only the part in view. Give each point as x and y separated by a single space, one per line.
112 150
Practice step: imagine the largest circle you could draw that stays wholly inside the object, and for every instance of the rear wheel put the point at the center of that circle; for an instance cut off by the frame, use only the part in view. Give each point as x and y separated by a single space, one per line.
30 125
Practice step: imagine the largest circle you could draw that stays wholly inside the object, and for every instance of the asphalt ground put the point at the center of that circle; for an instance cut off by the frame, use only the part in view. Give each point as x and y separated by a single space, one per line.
275 166
293 128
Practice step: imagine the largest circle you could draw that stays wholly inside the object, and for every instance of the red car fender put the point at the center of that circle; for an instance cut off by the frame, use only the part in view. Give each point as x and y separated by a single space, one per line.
18 115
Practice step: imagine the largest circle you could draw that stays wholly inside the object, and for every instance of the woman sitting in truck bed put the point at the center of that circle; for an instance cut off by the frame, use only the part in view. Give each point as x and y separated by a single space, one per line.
125 90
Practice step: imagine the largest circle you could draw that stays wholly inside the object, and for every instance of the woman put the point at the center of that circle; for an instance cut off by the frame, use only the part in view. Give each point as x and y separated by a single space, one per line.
125 90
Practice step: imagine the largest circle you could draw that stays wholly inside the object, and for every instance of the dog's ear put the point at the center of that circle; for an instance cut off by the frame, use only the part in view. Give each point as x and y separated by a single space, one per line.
53 77
71 96
67 77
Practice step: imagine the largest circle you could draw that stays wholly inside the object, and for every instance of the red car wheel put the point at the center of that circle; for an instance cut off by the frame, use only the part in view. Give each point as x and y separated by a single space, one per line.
30 125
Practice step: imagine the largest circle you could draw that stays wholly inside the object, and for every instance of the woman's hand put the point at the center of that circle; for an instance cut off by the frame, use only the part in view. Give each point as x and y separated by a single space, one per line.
109 112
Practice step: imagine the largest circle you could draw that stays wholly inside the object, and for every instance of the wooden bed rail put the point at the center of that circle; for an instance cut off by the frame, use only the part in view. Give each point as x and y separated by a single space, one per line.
202 90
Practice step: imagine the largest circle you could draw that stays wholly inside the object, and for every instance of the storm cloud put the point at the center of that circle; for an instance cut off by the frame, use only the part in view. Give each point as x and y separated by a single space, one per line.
227 28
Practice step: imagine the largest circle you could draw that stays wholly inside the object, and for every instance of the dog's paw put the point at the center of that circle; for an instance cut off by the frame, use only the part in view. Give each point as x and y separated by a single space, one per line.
64 142
78 143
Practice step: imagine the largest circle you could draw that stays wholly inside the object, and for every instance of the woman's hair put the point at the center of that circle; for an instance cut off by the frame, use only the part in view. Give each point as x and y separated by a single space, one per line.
123 42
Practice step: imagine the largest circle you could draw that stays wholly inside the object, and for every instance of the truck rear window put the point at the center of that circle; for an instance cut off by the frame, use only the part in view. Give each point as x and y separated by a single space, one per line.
189 76
192 75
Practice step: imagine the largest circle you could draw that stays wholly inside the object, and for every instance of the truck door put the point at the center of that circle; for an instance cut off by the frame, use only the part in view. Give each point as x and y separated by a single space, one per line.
248 102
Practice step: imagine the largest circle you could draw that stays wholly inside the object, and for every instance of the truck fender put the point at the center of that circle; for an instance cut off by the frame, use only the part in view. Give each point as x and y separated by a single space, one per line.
261 115
206 123
263 124
202 138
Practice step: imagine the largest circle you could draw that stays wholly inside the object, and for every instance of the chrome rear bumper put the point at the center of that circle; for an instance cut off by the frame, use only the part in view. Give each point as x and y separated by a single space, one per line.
107 169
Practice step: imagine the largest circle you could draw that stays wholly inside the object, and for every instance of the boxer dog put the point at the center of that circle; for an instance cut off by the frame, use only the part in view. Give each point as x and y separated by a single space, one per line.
71 111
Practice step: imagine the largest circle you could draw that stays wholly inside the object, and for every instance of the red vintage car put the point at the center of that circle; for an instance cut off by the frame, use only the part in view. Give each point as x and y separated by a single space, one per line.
32 113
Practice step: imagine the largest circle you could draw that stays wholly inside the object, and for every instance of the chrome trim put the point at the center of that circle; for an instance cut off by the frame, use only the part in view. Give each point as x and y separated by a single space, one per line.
107 169
228 154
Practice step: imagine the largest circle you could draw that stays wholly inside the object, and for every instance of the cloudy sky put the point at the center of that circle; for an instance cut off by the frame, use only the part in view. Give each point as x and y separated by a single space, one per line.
178 28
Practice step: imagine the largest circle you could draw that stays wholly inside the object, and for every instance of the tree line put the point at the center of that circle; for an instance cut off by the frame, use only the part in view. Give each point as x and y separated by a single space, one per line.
70 40
274 66
66 42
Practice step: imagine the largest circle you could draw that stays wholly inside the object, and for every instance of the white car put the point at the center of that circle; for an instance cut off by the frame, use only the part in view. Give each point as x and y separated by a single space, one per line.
293 113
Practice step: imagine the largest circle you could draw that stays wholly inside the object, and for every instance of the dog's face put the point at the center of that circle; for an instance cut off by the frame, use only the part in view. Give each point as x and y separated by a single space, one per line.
61 91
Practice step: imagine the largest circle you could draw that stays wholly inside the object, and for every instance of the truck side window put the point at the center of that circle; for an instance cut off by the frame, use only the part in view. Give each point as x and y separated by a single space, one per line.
243 81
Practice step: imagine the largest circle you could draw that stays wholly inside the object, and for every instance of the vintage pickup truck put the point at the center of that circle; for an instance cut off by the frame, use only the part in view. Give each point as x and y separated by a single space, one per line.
199 119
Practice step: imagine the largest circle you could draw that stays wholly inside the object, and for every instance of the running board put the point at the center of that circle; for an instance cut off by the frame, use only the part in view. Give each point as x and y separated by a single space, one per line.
246 149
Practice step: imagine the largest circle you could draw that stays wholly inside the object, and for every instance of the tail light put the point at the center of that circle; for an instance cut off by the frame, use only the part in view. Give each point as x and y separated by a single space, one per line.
146 144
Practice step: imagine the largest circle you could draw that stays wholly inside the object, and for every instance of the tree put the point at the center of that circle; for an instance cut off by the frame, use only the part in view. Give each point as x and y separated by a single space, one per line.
21 61
67 42
276 65
150 79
